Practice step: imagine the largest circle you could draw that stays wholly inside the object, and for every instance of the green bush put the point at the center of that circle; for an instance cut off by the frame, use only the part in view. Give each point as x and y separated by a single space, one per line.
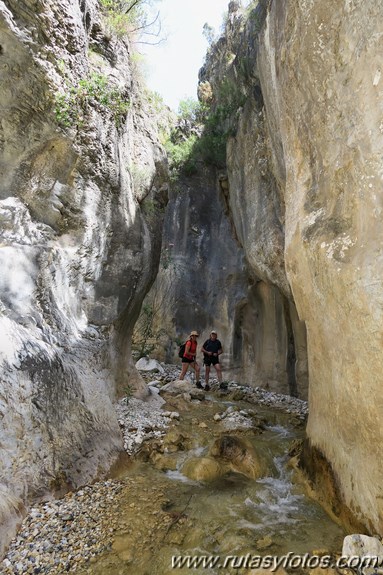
180 156
71 106
207 130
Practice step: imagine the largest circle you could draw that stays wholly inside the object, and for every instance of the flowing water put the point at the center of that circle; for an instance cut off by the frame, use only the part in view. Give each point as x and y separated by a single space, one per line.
165 514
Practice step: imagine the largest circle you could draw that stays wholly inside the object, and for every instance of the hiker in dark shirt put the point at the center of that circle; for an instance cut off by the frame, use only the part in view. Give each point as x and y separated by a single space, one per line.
211 350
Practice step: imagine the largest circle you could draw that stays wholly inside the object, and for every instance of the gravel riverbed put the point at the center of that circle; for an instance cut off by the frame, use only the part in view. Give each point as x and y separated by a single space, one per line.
57 536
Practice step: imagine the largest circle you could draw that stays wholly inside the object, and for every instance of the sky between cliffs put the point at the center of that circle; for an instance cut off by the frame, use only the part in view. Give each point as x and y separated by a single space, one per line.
172 67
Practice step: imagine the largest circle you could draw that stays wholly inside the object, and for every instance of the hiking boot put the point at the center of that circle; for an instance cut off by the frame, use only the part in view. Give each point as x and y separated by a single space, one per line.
198 384
207 387
223 386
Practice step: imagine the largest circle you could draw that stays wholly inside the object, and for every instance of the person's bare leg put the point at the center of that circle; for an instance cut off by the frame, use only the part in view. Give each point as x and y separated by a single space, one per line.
184 370
197 370
207 374
219 372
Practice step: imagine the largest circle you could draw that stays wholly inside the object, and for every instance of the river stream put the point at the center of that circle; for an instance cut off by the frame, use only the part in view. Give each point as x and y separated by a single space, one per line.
163 514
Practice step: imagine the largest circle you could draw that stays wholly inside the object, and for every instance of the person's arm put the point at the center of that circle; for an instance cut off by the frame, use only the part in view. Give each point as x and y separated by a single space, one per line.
220 350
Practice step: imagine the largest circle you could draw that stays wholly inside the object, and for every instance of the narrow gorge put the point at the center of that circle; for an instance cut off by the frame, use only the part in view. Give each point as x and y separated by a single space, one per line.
266 230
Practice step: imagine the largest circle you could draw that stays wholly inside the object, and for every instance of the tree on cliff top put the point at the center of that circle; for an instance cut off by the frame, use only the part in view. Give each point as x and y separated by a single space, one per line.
133 18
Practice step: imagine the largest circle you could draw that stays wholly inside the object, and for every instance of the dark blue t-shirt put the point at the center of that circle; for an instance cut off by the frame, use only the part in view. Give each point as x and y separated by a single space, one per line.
212 345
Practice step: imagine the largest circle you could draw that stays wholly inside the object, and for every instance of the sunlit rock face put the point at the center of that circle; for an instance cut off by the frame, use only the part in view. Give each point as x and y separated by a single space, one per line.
320 68
81 207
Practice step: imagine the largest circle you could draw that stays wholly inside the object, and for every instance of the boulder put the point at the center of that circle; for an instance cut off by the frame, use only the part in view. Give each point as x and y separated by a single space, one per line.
176 387
202 469
147 364
238 455
362 545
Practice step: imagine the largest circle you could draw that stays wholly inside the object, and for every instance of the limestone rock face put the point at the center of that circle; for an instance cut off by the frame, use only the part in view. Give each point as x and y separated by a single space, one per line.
269 339
202 275
82 193
320 69
299 85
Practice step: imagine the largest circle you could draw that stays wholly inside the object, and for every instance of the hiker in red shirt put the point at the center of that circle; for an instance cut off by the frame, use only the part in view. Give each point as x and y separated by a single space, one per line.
188 357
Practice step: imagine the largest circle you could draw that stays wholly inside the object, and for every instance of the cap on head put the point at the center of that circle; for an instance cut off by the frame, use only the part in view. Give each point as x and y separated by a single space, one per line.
194 333
213 331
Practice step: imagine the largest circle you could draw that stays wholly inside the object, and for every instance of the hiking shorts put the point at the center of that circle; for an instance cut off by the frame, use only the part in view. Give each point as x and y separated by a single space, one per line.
209 360
187 360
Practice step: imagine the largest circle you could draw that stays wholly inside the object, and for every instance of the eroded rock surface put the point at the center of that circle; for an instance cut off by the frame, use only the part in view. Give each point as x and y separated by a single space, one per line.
321 81
82 192
304 183
298 85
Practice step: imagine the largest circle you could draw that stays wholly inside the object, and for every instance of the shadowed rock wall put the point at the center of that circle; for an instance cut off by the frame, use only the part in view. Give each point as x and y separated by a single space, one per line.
203 273
81 210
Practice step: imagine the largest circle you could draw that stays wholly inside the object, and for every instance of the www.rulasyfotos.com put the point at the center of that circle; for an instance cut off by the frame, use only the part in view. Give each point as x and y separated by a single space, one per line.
273 562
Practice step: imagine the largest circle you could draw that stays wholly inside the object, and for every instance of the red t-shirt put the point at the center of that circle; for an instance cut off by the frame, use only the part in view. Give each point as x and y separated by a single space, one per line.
192 349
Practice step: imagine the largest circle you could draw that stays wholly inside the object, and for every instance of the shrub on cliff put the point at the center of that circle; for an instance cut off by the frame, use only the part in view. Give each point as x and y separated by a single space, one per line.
202 130
131 17
93 91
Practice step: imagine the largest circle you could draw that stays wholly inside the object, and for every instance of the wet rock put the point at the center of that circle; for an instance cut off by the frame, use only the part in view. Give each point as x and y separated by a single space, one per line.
238 455
265 542
177 403
202 469
164 462
197 394
177 439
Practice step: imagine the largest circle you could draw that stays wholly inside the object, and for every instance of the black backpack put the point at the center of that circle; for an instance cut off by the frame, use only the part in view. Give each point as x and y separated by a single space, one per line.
181 350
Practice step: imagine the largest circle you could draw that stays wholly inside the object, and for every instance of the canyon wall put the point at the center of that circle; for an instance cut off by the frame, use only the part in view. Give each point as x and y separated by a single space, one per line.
267 339
297 89
83 189
320 72
205 282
